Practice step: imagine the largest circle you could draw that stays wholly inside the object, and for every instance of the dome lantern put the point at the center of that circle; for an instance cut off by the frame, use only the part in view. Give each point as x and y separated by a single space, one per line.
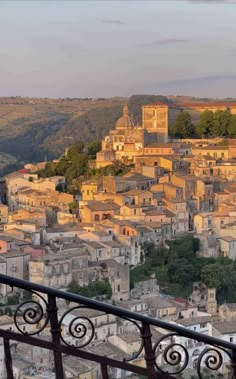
126 121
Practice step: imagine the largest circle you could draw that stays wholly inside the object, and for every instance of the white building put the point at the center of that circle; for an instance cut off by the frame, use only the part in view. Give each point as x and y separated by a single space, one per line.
228 247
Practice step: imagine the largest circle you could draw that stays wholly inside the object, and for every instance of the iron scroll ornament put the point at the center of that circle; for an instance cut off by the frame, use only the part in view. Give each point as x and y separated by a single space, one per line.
81 327
213 360
33 313
174 355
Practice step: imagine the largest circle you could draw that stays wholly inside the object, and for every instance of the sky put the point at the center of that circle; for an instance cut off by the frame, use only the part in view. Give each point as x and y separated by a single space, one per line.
117 48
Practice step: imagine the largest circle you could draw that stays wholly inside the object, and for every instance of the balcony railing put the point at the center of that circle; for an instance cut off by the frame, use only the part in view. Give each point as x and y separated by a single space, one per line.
164 357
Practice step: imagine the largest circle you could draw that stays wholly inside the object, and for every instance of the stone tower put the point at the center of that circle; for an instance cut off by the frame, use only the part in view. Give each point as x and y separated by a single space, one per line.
155 120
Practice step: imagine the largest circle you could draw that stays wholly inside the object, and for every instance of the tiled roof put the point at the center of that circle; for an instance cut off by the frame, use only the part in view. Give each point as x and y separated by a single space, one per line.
225 327
155 212
194 320
102 206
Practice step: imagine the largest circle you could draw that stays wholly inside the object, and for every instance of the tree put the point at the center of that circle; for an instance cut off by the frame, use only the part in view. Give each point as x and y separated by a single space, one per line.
183 126
205 124
62 166
232 127
93 148
147 248
75 150
95 289
181 271
221 123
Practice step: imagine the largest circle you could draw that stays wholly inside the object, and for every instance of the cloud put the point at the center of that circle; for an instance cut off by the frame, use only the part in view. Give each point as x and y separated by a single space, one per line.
202 79
166 41
212 1
205 83
114 22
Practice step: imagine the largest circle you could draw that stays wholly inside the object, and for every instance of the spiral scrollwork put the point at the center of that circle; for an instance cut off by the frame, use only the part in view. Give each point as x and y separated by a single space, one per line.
174 355
81 329
211 358
32 312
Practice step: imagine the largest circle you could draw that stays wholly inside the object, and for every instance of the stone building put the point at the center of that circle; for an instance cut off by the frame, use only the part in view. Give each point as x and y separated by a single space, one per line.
227 312
146 287
123 142
116 273
155 120
204 298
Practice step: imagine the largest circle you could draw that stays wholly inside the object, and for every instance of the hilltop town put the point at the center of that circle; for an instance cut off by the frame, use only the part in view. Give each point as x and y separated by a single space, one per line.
143 220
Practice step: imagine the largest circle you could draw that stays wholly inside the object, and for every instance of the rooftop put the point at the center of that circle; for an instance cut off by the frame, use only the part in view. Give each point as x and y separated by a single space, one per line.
230 306
130 337
225 327
136 177
135 192
161 145
194 321
102 205
228 239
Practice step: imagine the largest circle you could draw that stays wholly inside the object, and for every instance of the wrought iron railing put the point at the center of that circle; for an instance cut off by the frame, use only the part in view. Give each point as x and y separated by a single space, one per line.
166 356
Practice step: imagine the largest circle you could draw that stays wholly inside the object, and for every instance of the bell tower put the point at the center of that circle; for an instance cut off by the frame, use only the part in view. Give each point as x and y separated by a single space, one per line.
155 120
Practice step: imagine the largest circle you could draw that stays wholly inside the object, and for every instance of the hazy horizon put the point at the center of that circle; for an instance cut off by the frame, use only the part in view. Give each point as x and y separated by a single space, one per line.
119 48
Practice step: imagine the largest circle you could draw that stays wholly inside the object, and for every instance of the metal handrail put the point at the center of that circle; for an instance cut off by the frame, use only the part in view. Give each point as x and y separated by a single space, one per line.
118 311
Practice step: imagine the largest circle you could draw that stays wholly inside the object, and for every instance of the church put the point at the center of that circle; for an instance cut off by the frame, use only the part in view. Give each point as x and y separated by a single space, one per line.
123 143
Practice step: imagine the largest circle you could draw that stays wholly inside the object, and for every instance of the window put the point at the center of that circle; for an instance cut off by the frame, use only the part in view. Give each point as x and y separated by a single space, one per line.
203 325
118 288
96 217
231 339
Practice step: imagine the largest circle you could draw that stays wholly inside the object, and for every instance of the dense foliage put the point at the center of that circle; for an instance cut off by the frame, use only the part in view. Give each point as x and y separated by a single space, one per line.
74 166
95 289
211 124
183 126
217 124
177 267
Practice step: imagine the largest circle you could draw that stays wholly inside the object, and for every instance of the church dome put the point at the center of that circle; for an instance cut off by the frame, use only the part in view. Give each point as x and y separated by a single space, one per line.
126 121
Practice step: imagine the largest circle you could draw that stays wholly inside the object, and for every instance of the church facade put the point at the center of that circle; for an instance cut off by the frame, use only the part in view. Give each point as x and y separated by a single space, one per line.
123 143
